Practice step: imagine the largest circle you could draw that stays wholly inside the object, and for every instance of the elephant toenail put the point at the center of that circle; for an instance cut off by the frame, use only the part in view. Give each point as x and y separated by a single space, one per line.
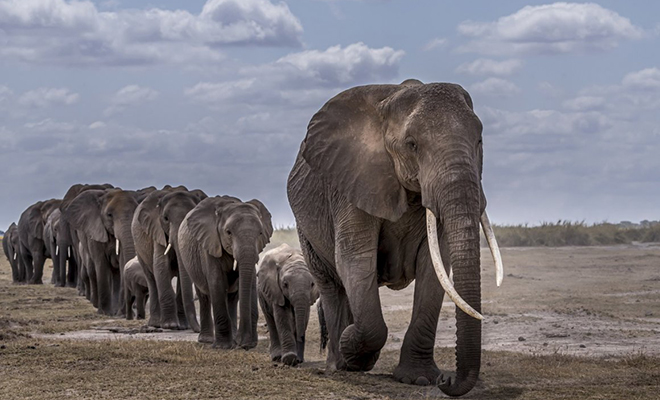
422 381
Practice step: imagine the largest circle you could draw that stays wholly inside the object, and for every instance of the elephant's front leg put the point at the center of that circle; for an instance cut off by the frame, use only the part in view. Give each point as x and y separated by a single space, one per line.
38 260
284 323
166 297
154 306
141 299
416 363
205 318
128 302
356 244
275 347
224 338
103 285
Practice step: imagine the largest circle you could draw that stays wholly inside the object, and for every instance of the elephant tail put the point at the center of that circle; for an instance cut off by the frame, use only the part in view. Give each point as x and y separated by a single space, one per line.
322 326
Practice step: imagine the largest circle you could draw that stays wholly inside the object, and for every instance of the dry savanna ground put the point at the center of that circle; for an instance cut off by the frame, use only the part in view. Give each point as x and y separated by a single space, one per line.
568 323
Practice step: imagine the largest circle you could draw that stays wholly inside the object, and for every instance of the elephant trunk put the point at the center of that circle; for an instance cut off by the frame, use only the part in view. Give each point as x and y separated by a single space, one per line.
126 244
301 313
459 210
246 260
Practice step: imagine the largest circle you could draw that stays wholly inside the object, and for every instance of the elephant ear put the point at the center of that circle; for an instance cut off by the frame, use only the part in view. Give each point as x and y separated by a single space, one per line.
148 216
268 278
84 214
266 220
203 225
345 145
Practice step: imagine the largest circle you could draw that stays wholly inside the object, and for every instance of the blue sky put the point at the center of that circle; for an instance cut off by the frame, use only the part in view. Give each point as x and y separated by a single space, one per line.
217 94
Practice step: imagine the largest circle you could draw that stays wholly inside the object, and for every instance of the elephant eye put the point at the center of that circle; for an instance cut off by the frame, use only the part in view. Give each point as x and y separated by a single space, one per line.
228 232
312 284
165 218
410 143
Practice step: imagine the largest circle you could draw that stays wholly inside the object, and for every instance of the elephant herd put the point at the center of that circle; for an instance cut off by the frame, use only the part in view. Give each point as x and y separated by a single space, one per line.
121 247
386 189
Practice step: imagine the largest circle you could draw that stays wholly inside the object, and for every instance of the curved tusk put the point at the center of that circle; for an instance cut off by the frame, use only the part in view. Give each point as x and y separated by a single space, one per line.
167 250
434 248
57 250
117 246
14 256
68 252
494 248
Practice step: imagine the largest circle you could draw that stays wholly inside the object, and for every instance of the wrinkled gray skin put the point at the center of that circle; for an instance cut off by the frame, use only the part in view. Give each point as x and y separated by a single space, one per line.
216 233
136 290
32 250
286 291
374 158
101 218
10 244
69 244
155 225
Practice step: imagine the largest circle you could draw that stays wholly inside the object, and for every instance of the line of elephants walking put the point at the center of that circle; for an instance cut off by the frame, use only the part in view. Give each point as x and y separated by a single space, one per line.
386 189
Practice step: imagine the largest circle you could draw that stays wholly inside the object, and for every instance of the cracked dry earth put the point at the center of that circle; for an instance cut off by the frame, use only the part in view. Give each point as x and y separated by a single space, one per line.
561 312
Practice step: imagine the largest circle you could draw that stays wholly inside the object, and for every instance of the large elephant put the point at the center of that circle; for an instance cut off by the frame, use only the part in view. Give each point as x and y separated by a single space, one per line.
102 219
68 242
32 249
217 233
10 245
286 291
155 228
382 170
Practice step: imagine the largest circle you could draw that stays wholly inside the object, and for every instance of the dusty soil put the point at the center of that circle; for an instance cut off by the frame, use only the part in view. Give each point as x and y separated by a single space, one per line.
566 323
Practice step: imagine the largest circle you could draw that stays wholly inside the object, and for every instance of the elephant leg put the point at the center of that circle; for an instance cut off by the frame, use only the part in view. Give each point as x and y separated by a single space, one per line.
224 338
232 299
72 276
38 260
103 284
93 284
55 276
27 265
205 319
275 347
117 293
61 258
181 312
188 303
154 306
84 280
416 363
336 309
166 296
140 299
128 303
284 324
356 244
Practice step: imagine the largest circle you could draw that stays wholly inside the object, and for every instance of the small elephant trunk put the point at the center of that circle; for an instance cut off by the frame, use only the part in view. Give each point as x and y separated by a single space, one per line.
301 313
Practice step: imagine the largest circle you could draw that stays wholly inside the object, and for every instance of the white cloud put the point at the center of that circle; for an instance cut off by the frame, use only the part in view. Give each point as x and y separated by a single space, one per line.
5 93
49 125
585 103
495 87
45 97
130 95
434 43
645 79
97 125
484 66
549 29
63 32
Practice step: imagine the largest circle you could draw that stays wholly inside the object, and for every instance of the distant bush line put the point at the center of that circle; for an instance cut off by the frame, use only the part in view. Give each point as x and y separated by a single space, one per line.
569 233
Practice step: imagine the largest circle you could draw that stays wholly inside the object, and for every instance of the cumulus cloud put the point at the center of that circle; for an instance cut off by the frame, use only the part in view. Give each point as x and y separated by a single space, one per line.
495 87
130 95
302 78
584 103
484 66
646 79
550 29
59 32
46 97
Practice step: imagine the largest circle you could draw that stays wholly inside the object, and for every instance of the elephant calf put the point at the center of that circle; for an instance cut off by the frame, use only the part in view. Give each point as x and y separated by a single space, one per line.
135 288
286 291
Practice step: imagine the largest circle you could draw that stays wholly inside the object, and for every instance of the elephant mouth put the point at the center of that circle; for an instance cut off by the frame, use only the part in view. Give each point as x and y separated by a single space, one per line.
447 285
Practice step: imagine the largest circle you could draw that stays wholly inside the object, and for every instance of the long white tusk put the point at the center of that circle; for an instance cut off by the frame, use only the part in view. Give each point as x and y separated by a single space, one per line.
68 252
57 250
167 250
434 248
494 248
14 256
117 246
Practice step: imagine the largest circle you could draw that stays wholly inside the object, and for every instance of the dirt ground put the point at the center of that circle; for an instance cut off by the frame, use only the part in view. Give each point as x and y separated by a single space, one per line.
567 323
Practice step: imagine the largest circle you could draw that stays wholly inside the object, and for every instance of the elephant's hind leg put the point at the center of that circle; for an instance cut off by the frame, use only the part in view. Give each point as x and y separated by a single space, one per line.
416 363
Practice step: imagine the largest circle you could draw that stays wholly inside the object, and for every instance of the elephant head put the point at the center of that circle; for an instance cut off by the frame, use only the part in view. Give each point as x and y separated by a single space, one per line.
104 216
172 209
227 227
384 147
284 279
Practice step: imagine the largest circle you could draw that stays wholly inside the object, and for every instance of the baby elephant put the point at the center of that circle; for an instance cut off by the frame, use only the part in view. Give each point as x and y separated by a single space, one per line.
135 288
286 291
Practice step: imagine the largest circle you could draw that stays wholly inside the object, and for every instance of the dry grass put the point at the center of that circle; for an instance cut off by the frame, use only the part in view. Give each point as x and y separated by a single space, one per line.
41 368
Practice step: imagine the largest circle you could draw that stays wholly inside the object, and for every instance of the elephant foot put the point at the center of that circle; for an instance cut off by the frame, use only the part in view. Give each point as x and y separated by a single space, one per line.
223 345
173 325
205 338
276 357
290 359
154 322
71 284
195 327
357 355
140 316
36 282
421 374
